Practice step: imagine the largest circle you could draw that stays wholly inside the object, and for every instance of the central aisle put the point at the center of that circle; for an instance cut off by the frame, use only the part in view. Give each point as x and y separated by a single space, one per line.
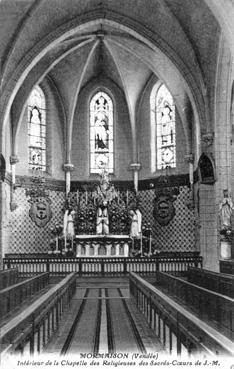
103 319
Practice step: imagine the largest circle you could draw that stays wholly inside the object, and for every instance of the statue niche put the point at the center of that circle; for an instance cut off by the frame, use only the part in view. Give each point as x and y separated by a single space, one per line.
206 170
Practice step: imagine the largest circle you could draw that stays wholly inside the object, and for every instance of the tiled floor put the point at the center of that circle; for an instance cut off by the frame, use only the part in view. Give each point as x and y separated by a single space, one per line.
107 320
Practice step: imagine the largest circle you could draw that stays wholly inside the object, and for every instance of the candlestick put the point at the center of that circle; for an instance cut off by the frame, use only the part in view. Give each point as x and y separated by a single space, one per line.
141 245
65 242
56 251
150 244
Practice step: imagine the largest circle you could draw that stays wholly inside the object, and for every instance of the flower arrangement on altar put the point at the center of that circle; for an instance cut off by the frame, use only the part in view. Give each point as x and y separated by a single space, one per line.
226 234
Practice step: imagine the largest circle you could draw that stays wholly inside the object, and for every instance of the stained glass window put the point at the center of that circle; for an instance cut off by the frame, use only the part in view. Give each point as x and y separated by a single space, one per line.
37 130
101 133
163 124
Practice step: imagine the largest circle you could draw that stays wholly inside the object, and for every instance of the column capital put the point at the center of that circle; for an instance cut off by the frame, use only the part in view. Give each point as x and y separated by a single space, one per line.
135 167
189 158
68 167
14 159
208 138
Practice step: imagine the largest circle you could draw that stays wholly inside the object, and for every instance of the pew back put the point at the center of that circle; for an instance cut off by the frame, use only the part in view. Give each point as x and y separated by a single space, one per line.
13 296
180 331
208 305
8 277
218 282
35 326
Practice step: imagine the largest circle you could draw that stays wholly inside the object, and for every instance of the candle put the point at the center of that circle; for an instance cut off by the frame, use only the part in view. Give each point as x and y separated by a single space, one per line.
77 196
127 197
86 197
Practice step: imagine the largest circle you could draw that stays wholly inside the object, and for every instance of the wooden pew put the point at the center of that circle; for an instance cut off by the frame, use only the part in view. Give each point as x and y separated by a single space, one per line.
180 331
8 277
208 305
13 296
33 328
217 282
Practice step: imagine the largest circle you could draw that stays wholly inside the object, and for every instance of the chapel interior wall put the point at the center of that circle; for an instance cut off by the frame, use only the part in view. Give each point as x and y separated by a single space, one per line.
122 132
144 139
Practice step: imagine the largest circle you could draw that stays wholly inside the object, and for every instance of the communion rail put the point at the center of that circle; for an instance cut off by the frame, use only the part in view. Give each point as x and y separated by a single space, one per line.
178 330
102 266
31 330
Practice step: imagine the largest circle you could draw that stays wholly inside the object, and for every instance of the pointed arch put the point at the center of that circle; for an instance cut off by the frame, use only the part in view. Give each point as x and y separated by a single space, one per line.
101 118
163 128
37 130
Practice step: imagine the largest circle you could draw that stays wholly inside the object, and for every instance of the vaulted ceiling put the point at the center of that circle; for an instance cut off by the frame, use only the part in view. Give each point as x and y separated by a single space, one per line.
74 41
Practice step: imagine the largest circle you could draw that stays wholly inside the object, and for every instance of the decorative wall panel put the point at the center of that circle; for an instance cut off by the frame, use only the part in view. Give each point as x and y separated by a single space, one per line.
26 236
178 235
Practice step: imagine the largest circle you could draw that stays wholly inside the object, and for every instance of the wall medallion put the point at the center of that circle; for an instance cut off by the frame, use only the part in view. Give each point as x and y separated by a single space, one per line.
164 210
40 211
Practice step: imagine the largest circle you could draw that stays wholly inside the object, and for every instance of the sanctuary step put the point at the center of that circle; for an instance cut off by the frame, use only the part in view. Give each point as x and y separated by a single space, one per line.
103 318
103 282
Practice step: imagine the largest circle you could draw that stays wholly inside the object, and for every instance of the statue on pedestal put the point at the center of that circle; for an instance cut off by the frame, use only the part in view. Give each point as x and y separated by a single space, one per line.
136 220
103 195
68 226
225 211
102 226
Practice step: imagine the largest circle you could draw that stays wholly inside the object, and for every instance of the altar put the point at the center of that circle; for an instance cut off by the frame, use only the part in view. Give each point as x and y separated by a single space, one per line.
102 245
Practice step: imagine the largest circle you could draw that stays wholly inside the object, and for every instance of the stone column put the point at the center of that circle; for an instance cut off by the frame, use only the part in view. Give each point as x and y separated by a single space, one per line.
13 161
68 168
135 167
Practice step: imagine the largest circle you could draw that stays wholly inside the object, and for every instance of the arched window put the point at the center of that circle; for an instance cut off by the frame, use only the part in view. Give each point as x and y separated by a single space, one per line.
162 128
37 130
101 133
